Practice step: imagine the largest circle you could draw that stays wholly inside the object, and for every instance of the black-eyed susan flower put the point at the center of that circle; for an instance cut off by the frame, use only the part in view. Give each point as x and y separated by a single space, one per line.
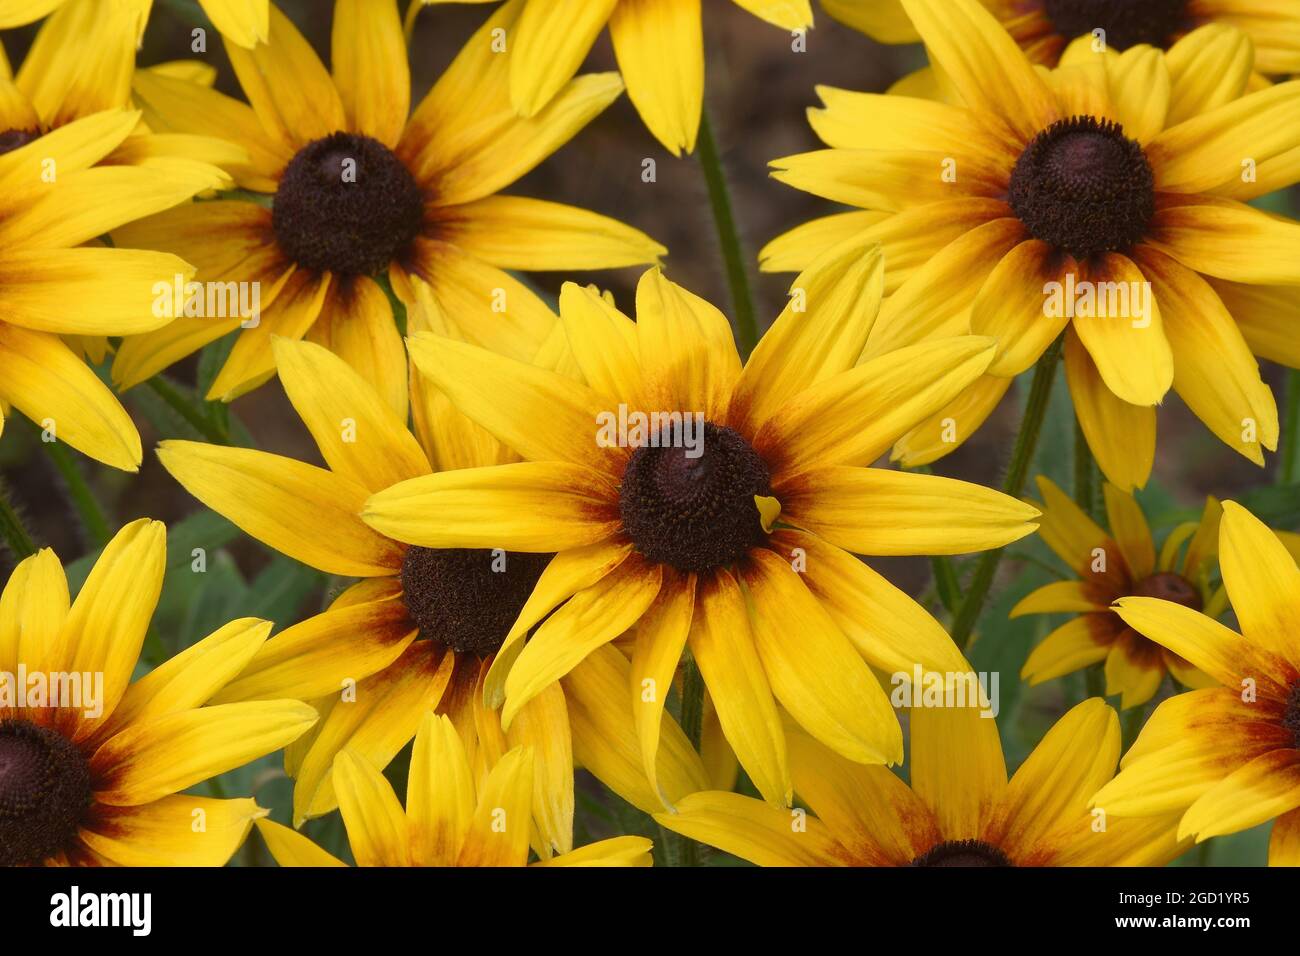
960 809
729 522
1229 756
421 628
359 189
1104 200
1109 565
1044 28
243 21
92 773
449 819
659 45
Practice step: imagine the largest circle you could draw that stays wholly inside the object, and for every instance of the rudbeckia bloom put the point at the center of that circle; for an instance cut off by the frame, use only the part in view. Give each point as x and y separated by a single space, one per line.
1112 564
1044 28
449 819
659 45
359 190
98 782
1104 200
243 21
960 809
422 626
736 540
1230 755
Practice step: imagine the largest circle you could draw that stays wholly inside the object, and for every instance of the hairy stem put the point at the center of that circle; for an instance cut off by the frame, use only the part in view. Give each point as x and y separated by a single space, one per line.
733 254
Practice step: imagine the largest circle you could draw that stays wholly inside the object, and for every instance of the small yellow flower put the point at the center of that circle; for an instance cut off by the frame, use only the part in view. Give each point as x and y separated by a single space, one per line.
360 189
1111 565
960 809
84 788
422 627
1229 756
1105 200
449 819
670 534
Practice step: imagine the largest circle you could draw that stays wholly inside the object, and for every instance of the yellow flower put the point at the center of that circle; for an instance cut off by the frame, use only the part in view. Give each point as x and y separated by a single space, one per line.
659 45
732 532
1111 565
1230 755
360 189
449 820
1113 187
421 629
95 777
959 811
1044 28
243 21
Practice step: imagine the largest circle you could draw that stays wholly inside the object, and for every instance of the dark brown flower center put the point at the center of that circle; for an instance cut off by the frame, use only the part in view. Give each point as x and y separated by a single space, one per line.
346 205
1171 587
964 853
694 509
1291 719
1084 187
12 139
1126 22
44 792
468 599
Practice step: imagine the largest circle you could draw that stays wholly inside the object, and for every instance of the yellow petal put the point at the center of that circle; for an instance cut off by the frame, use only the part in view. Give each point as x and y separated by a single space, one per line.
1266 787
1228 240
498 831
1262 580
542 726
1059 597
755 831
49 384
617 851
1121 436
1076 644
957 766
820 681
33 608
357 433
603 341
375 821
1129 527
175 751
539 506
291 848
1140 87
660 640
1011 305
722 643
881 512
173 831
308 513
660 51
590 618
1284 842
439 793
551 42
1208 67
368 57
534 235
246 22
1215 374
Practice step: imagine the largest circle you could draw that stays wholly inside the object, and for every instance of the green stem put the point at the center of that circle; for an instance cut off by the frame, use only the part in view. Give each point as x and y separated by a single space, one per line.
1288 472
12 529
83 497
1086 473
1022 458
733 255
681 850
170 394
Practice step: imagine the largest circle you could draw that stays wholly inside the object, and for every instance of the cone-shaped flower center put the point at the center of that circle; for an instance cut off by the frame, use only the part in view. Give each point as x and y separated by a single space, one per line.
1171 587
1291 719
346 205
693 508
468 599
964 853
1084 187
1126 22
12 139
44 791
